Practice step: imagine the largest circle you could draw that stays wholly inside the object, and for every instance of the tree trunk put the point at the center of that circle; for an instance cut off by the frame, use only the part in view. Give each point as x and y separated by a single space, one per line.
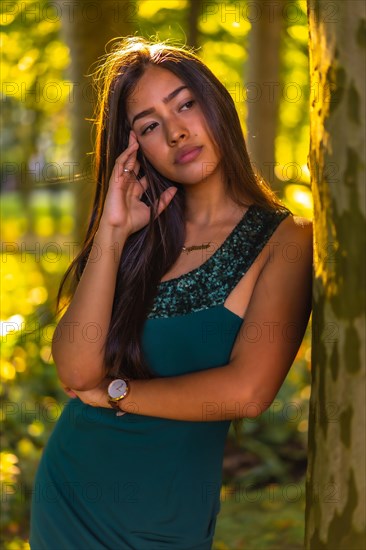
263 86
195 10
87 27
335 484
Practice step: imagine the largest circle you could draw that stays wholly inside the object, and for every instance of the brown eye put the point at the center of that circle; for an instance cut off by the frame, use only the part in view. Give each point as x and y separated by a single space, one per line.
190 103
146 129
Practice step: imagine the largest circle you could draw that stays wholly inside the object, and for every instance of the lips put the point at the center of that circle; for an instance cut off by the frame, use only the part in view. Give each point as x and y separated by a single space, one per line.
186 154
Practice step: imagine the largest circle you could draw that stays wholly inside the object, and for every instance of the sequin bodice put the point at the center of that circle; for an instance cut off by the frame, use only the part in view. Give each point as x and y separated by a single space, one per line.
209 284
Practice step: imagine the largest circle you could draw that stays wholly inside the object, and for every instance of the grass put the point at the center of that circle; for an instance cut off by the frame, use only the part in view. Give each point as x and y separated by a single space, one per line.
271 518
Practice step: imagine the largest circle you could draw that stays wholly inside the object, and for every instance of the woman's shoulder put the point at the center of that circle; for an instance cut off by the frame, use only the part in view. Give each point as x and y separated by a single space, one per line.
296 233
296 227
287 225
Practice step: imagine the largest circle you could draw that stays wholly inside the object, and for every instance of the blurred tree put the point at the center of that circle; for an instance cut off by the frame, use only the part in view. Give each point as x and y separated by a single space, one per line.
335 508
195 11
33 96
263 86
87 27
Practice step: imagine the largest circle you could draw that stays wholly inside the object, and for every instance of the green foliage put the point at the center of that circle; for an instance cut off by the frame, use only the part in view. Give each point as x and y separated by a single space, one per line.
263 519
34 117
31 396
274 444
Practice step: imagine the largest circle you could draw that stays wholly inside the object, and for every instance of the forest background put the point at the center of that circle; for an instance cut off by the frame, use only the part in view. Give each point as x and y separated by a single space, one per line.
259 50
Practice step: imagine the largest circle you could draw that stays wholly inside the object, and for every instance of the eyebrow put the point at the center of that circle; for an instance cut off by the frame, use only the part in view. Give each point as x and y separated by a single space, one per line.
166 99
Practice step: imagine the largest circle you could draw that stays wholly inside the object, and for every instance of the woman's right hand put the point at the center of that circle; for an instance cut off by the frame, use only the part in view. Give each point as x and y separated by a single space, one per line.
123 208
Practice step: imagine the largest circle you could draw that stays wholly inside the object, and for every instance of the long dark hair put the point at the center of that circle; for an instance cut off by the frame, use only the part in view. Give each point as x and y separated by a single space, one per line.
150 252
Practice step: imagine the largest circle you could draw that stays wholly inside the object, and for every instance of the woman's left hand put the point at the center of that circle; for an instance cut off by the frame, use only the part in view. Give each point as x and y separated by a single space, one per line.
95 397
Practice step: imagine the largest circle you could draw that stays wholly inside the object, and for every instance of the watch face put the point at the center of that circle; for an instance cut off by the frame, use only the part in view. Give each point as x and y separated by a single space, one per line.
117 388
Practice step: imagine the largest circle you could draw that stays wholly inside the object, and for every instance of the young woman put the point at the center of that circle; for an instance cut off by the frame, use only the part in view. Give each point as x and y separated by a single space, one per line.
189 301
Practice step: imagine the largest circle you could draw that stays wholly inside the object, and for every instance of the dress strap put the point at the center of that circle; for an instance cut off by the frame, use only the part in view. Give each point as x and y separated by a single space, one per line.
211 283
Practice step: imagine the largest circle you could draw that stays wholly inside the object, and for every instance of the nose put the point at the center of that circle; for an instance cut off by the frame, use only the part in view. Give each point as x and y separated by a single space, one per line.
175 132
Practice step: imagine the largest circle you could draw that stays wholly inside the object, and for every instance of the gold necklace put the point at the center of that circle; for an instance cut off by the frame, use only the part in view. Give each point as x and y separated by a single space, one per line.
188 249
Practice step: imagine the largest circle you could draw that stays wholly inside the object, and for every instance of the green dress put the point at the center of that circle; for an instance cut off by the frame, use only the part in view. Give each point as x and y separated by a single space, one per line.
134 482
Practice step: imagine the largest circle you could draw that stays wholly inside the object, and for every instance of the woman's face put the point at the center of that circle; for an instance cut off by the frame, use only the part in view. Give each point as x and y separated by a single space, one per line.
172 132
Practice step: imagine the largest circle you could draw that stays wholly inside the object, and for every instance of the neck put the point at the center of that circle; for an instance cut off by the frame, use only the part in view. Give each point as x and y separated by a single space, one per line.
212 215
208 203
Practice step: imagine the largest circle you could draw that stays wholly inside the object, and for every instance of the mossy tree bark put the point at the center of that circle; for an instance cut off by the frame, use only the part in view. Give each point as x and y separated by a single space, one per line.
335 484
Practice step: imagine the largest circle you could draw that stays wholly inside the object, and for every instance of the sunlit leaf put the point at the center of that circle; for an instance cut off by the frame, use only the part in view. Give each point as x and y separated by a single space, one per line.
66 224
19 364
7 370
26 62
58 53
35 428
301 195
37 295
148 9
8 466
45 354
44 226
299 32
25 447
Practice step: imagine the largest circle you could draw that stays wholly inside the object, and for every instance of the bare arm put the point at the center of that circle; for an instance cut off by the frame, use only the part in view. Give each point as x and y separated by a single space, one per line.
77 345
279 310
78 342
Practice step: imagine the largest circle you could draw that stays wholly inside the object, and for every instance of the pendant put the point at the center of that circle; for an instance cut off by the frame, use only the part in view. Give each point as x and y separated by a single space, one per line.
189 249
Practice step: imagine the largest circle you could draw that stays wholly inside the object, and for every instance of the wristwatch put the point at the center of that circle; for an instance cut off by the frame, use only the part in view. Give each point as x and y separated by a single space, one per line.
117 390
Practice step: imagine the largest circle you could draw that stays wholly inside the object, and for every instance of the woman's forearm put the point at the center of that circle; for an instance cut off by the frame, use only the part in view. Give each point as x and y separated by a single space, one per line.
208 395
78 341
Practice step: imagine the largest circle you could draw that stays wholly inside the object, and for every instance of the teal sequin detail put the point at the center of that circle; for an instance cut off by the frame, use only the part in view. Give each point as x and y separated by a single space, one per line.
209 284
